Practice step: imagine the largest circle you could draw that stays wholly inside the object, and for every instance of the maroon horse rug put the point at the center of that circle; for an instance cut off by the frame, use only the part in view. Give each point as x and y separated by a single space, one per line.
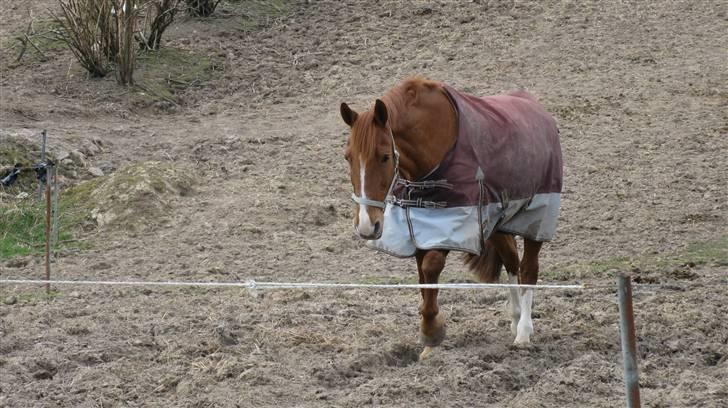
503 173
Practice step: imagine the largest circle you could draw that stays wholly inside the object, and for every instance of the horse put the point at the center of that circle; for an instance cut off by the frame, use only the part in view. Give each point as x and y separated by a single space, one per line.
448 172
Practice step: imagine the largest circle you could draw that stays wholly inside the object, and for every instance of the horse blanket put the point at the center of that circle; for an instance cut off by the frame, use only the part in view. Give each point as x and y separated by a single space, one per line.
503 173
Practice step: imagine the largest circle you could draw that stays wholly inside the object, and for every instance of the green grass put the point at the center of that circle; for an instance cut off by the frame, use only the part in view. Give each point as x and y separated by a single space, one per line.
28 298
712 252
43 34
161 75
22 227
259 14
708 252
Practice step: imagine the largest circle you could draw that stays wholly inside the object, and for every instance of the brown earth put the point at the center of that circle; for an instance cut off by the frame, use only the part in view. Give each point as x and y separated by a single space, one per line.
640 90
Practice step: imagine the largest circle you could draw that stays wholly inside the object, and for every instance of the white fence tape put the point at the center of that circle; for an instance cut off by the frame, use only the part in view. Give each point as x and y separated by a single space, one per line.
251 284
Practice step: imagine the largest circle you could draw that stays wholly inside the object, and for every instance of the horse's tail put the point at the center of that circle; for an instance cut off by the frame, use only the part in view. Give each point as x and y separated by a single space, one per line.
487 266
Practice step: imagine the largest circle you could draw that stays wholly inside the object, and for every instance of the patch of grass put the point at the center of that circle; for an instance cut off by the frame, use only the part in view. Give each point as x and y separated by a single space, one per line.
708 252
22 227
44 37
162 74
713 252
259 14
388 280
32 298
22 221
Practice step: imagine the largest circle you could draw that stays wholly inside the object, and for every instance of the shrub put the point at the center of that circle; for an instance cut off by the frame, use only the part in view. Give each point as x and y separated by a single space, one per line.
125 13
201 8
89 31
159 14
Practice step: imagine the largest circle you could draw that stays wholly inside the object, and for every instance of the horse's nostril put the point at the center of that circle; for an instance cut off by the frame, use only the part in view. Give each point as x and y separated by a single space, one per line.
377 228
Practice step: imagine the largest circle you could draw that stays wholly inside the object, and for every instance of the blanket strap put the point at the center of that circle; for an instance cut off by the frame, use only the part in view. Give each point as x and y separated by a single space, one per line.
480 176
419 203
422 185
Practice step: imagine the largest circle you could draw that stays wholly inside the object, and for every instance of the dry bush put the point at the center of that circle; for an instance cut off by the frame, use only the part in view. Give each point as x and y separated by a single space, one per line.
125 14
89 31
158 15
201 8
100 32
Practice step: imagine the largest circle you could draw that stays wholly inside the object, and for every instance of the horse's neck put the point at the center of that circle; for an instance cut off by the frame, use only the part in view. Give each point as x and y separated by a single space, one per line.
425 139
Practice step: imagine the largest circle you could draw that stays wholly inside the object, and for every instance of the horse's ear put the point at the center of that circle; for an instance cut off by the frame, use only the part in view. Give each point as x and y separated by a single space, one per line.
380 113
348 115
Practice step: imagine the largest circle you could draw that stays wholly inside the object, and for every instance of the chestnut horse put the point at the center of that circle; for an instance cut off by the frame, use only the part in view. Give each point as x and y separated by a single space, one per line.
405 136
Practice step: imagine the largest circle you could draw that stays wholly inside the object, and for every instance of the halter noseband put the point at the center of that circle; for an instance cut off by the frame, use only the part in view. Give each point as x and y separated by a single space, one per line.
388 197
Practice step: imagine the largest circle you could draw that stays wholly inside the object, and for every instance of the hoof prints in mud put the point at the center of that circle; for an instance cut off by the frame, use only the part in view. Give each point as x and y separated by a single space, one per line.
401 355
363 367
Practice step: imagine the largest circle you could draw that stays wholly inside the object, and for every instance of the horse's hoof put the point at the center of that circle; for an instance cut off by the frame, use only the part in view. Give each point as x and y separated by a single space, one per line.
426 352
433 333
522 341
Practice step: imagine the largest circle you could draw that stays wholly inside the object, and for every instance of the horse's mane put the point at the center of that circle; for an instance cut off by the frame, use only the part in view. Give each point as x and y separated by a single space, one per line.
396 99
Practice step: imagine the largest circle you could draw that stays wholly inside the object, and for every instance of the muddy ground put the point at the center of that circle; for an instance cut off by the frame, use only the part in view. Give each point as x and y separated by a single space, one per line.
640 90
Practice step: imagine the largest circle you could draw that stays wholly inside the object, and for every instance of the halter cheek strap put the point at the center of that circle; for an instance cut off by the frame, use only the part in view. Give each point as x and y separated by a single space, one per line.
388 197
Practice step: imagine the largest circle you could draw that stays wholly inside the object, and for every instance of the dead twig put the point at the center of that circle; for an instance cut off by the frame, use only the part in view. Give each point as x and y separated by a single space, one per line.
158 95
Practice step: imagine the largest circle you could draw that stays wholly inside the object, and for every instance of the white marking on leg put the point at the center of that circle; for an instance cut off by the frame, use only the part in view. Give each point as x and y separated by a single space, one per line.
525 324
514 304
365 227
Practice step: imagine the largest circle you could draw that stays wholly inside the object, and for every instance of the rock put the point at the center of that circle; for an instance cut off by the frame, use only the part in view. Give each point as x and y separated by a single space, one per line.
78 158
43 375
11 300
95 171
76 154
224 336
106 167
17 263
90 149
101 266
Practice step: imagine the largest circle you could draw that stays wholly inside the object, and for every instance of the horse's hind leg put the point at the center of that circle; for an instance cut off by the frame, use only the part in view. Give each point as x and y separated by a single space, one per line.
507 249
432 325
528 275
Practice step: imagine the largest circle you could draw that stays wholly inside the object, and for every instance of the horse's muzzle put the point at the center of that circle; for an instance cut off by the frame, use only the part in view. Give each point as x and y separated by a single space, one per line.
376 233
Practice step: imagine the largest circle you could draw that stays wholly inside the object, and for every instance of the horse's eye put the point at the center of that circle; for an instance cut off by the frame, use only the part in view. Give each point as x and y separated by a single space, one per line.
385 158
347 157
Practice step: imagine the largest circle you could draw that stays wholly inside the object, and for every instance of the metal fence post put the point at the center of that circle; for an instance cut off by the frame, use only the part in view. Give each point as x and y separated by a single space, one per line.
629 343
49 173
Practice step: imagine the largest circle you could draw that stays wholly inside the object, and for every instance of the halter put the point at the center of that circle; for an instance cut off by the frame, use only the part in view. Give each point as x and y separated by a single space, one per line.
388 197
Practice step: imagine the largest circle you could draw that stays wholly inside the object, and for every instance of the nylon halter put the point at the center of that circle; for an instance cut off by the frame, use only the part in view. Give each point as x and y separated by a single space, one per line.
388 197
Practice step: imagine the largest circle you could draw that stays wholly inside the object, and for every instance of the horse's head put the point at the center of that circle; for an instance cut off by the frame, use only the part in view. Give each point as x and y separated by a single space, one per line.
372 161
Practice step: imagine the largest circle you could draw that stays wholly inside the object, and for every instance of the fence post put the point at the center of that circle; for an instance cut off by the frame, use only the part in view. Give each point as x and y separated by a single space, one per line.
49 173
43 137
629 343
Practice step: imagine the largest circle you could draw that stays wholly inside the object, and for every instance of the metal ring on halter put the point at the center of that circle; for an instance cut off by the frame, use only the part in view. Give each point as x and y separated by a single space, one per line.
395 177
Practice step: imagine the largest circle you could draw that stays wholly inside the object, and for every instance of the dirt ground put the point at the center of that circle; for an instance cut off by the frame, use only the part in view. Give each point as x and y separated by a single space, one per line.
640 90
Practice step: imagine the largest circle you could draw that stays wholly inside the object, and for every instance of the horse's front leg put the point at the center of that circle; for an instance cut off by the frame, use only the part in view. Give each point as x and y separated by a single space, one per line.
432 325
